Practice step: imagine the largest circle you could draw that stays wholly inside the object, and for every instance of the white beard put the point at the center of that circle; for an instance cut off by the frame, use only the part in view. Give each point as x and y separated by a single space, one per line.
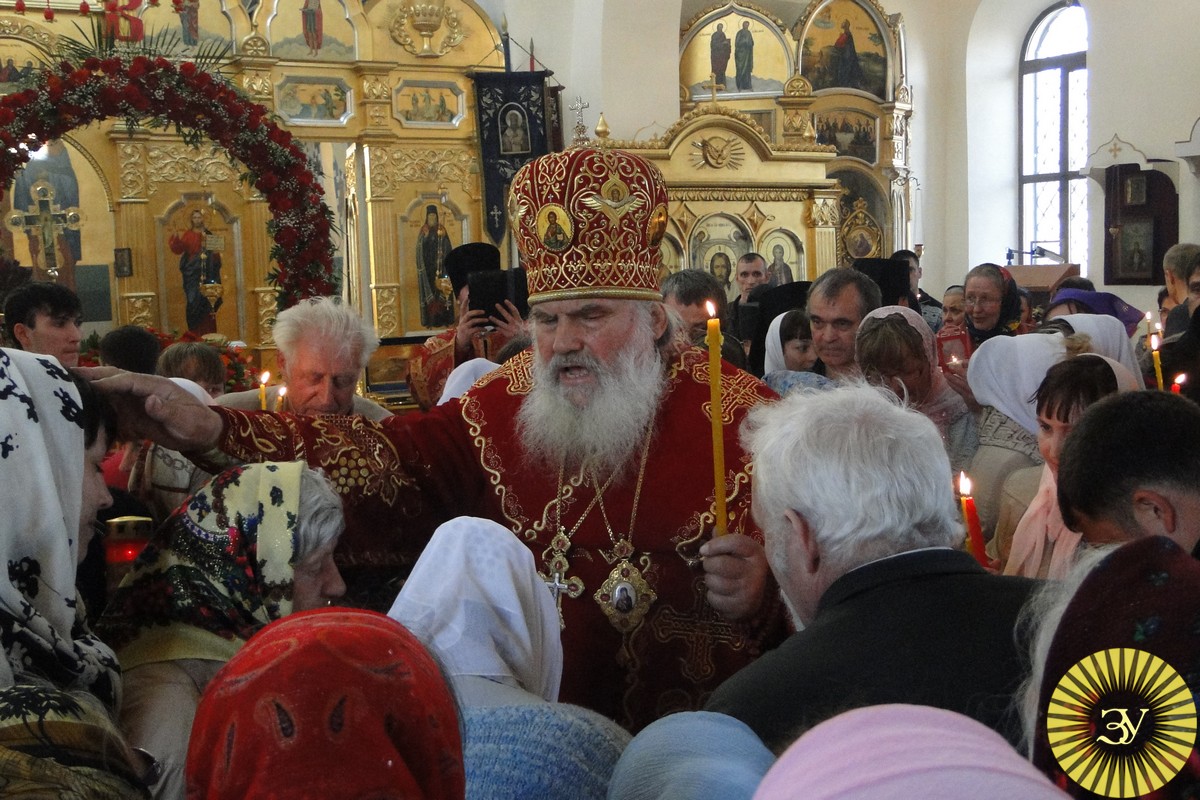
602 430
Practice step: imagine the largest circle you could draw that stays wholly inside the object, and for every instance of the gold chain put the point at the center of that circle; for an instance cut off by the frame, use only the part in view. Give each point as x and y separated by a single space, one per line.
637 496
559 501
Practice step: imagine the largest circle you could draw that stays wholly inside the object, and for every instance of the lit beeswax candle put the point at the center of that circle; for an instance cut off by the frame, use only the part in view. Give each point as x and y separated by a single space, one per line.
713 340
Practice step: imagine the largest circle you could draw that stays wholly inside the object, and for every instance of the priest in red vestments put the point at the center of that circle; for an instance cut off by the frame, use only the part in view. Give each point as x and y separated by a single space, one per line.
594 449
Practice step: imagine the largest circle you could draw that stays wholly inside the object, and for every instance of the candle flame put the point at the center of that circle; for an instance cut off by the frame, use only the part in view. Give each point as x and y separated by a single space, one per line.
1158 327
266 376
280 395
1180 379
712 309
964 484
1147 316
1154 341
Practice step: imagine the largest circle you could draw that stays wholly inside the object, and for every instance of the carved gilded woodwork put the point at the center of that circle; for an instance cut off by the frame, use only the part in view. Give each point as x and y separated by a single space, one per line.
387 309
139 308
392 168
426 19
265 310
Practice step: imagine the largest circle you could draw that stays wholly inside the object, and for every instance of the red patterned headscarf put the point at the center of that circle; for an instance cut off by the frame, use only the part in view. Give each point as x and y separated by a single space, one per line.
328 703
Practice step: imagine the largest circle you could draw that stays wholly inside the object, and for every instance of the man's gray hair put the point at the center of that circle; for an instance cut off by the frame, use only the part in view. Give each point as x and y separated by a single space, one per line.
319 516
330 322
831 283
869 476
1182 260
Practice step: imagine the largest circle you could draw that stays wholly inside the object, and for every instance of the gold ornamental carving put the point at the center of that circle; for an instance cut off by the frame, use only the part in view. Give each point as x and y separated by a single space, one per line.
387 309
21 29
133 171
376 89
256 45
265 314
797 86
350 166
426 18
183 164
718 152
685 217
398 166
377 116
258 84
139 308
762 194
824 213
755 217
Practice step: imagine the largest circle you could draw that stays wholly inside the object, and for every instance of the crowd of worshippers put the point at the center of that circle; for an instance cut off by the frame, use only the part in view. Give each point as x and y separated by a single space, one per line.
535 587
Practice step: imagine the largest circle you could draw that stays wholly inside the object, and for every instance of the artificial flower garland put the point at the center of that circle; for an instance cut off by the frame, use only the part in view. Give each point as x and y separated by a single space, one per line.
153 91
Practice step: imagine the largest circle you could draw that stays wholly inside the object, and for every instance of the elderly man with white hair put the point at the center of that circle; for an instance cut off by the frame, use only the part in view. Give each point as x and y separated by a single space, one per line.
853 493
323 348
595 450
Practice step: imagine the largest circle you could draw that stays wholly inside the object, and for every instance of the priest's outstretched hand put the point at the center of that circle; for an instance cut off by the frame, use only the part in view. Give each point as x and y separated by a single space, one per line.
155 408
736 573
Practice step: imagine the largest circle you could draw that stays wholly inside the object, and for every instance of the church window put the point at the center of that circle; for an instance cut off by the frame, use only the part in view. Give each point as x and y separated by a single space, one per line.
1053 102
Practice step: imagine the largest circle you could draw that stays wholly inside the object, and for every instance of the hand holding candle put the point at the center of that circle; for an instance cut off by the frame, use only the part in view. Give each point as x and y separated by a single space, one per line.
713 340
975 544
262 390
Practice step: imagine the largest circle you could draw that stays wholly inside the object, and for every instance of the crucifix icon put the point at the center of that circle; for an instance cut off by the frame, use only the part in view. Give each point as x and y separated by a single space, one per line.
560 585
713 86
44 222
578 106
495 214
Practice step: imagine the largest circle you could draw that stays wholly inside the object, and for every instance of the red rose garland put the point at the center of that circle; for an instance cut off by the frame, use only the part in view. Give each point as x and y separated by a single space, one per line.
157 92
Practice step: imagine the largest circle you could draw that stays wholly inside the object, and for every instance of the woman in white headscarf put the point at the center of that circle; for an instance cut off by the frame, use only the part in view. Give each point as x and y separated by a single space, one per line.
58 682
1004 374
1042 545
475 599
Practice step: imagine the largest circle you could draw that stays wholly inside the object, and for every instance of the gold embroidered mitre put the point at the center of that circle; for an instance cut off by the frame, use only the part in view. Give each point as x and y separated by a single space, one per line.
588 223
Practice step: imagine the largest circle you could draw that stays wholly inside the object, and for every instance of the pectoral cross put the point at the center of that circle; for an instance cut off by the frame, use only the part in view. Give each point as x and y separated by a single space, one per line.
713 86
578 106
45 222
571 587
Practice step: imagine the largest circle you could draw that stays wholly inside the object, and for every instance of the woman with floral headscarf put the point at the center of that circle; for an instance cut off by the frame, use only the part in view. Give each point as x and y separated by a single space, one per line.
252 546
57 680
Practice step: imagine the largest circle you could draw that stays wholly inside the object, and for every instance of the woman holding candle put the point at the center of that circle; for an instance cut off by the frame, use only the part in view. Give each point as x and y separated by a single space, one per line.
1042 545
895 347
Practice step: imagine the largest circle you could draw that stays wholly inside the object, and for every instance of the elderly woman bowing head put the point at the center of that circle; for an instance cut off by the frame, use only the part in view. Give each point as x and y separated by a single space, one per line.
252 546
57 681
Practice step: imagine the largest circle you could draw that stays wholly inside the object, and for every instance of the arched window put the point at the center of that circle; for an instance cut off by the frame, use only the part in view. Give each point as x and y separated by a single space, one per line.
1054 133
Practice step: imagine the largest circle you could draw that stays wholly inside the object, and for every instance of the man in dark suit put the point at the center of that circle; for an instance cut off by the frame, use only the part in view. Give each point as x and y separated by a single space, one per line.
853 493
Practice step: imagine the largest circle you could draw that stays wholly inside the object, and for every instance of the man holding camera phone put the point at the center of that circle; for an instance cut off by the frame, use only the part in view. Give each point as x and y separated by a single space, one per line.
478 334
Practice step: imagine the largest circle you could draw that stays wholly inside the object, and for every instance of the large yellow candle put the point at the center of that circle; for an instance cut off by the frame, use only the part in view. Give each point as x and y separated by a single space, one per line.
1157 361
262 390
713 340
